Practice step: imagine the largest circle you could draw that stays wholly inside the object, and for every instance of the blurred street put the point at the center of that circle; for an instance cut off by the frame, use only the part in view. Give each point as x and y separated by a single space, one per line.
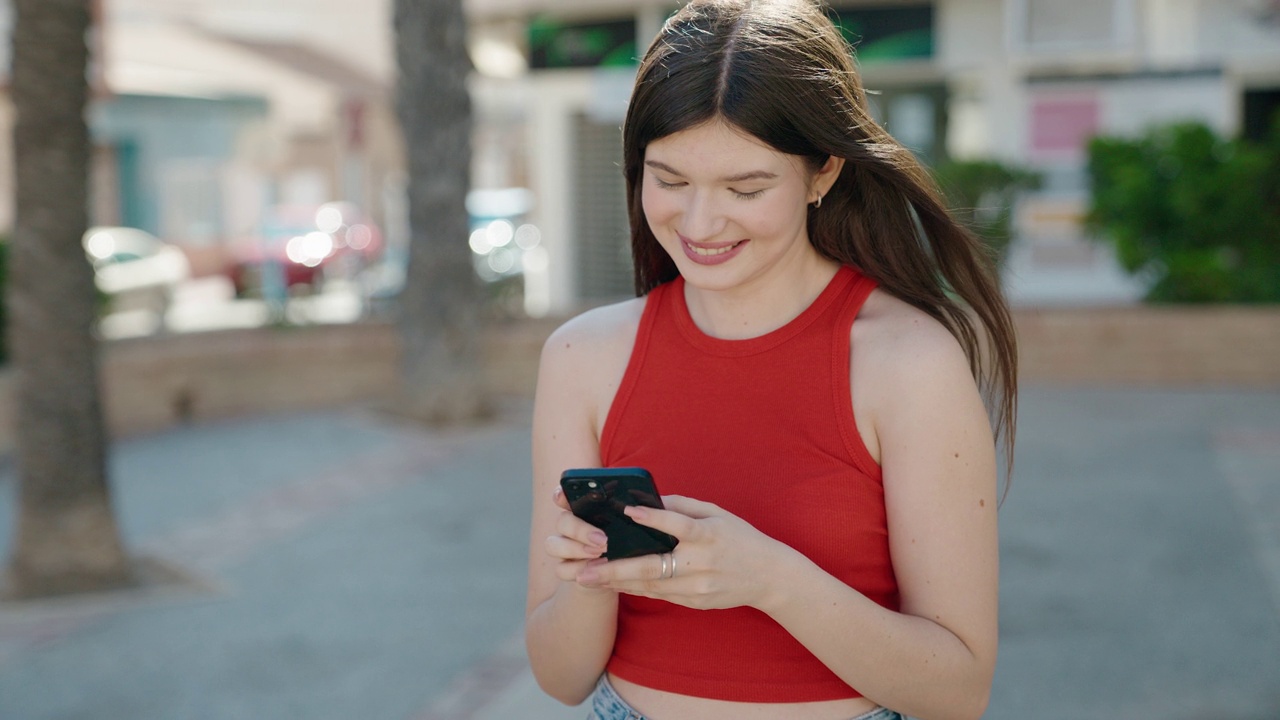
340 565
210 303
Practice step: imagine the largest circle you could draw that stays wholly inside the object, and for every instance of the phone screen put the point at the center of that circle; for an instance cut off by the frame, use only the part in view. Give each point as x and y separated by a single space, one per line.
598 495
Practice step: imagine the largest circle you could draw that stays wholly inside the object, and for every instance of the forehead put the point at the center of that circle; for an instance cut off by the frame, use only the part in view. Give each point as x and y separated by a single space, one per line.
716 148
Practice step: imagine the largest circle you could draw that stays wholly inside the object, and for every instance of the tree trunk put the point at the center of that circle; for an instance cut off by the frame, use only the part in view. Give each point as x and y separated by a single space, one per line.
67 539
440 306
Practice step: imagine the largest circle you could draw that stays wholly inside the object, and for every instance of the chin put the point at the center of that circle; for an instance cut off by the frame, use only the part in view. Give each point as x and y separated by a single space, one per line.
715 277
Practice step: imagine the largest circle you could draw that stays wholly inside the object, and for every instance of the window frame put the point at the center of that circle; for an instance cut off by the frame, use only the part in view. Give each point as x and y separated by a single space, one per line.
1123 41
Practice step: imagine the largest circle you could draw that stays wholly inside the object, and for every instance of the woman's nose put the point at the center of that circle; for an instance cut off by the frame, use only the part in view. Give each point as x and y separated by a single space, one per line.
702 219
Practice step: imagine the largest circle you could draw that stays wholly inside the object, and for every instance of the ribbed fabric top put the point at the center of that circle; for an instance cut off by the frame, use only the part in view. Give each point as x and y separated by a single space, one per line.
764 428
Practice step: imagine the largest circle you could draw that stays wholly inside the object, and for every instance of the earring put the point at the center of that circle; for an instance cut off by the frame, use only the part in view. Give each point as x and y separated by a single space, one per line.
817 203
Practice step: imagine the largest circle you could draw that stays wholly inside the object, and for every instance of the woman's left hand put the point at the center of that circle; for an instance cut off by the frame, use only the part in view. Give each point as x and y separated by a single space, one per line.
721 561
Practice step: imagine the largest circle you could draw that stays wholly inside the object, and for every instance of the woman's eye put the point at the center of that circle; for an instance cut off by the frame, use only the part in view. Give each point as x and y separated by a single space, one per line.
662 184
748 195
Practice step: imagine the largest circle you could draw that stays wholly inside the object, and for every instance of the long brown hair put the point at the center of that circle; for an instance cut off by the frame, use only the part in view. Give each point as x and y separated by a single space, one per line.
781 71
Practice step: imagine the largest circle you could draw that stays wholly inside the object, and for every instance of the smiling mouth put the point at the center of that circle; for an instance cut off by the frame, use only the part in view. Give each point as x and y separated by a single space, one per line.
711 252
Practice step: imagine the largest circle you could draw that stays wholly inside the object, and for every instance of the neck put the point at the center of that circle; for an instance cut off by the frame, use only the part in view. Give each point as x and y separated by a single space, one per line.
760 304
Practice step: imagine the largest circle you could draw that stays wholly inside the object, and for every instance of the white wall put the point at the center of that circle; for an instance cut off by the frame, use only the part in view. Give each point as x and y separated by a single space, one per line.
357 31
984 112
1233 30
1170 27
1130 106
158 57
555 98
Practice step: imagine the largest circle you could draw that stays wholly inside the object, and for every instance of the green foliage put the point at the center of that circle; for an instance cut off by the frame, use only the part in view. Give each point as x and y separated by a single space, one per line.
982 194
1200 213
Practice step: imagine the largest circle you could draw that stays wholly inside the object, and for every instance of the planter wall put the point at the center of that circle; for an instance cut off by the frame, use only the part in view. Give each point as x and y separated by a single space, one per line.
153 383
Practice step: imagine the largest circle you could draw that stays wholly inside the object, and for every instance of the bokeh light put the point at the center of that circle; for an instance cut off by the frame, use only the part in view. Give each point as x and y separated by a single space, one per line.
528 236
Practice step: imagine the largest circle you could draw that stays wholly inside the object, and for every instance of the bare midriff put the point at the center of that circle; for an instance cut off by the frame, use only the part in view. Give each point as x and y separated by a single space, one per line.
662 705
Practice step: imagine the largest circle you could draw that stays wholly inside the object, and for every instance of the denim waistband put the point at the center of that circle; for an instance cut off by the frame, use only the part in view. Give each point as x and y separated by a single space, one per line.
606 704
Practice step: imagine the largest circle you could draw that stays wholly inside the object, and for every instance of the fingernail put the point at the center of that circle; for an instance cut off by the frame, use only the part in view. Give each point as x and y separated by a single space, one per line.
598 538
635 512
588 577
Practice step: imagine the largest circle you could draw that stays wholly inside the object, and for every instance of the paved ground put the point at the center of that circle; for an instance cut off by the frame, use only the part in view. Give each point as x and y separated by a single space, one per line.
344 566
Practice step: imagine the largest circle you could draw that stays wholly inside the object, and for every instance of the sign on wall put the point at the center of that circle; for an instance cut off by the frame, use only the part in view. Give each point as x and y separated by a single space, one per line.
878 34
886 34
554 43
1062 124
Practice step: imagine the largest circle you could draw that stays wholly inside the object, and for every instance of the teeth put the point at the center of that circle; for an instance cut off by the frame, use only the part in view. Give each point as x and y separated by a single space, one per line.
705 252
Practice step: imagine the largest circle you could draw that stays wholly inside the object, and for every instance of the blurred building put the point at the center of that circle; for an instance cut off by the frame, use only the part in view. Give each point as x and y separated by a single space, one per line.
214 111
208 115
1022 81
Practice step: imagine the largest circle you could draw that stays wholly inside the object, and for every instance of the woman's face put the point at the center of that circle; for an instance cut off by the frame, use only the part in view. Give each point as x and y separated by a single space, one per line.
726 207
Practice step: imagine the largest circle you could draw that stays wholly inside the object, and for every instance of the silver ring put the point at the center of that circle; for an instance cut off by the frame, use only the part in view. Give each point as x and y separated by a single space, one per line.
672 555
666 565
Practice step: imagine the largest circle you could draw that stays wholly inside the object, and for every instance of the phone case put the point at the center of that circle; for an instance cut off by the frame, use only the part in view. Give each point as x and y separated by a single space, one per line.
598 495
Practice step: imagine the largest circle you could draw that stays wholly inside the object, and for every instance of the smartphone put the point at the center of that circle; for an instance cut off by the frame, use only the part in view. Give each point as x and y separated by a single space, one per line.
598 495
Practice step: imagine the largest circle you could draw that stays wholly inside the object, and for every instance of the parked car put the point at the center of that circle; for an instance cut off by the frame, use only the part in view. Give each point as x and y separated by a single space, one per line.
301 246
135 269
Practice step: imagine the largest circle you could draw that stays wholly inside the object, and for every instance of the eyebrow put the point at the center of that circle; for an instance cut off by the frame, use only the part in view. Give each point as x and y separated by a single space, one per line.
741 177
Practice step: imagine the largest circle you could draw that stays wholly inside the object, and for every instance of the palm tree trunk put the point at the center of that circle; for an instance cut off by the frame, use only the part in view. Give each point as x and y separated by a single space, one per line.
440 306
67 539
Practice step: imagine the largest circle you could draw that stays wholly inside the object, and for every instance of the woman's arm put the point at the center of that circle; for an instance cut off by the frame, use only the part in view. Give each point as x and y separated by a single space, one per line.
936 658
569 629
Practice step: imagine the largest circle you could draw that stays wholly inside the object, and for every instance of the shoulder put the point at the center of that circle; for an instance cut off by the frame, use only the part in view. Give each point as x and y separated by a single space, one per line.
589 353
902 341
583 363
906 367
602 331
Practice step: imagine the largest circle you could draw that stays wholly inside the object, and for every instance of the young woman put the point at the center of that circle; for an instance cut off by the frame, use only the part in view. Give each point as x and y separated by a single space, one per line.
803 374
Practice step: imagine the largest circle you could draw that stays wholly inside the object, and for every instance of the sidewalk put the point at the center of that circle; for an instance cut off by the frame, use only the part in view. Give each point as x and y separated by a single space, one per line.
340 565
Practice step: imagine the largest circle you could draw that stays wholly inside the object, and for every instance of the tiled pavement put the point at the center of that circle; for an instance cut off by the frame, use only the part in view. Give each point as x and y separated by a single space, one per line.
340 565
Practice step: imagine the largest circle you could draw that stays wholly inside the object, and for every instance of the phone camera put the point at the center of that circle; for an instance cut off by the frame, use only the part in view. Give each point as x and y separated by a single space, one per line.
592 484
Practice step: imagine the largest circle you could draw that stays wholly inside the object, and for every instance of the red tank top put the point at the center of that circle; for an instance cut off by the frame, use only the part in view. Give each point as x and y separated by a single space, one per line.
763 428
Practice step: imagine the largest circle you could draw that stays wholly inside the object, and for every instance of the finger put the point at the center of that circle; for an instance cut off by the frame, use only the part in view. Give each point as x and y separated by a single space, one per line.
678 590
696 509
559 499
643 570
570 569
562 548
575 528
589 572
668 521
670 590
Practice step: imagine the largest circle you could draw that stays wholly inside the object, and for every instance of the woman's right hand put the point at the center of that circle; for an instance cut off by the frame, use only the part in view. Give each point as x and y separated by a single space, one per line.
576 543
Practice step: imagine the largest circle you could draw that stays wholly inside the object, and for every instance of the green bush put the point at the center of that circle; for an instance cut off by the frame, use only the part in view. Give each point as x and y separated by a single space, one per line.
1200 214
982 194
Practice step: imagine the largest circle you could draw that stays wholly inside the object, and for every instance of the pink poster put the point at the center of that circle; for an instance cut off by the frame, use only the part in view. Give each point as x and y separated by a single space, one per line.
1062 124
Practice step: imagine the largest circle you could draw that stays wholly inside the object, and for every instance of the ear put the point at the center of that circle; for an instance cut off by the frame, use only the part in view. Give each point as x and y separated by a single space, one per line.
827 175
